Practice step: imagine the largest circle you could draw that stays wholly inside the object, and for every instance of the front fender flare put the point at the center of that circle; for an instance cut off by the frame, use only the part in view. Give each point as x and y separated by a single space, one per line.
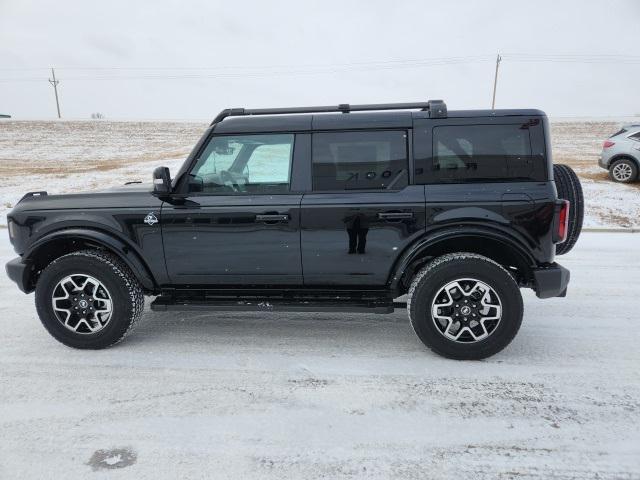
118 246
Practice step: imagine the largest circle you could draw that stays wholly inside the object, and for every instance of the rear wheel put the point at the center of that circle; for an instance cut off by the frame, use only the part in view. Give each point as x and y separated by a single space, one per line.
569 188
465 306
623 171
88 299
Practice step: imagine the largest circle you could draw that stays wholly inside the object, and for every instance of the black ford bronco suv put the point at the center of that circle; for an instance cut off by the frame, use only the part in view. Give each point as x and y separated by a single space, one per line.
317 209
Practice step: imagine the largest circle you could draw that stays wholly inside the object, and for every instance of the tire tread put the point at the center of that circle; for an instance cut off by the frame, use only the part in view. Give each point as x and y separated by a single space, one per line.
427 270
569 188
117 267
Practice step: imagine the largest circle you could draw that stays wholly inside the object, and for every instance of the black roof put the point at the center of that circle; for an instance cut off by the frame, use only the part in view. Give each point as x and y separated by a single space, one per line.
333 121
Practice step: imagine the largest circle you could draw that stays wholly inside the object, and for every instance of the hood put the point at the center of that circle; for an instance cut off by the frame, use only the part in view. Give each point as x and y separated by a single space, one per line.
131 195
127 187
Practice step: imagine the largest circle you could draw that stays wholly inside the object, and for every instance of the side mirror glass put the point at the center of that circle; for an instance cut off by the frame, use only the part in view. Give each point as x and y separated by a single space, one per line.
161 181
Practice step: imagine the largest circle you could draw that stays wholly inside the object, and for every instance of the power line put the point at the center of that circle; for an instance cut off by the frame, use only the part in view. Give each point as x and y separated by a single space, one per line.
459 59
243 71
204 72
573 58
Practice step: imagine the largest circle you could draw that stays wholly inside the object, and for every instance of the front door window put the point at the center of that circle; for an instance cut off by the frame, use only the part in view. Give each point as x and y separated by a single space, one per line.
244 164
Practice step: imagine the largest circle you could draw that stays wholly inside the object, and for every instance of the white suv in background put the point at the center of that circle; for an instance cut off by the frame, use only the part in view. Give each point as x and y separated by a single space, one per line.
621 154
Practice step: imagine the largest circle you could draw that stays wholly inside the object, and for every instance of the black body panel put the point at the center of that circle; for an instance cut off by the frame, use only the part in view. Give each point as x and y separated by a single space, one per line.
220 239
117 214
354 238
349 239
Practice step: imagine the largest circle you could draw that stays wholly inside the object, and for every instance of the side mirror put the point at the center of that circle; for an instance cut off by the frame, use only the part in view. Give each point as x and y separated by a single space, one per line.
161 181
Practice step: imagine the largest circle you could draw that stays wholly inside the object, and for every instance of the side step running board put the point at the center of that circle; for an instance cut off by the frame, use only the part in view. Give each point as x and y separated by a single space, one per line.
163 303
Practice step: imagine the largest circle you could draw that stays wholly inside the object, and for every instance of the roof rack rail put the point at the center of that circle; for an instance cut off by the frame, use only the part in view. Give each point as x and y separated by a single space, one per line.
436 109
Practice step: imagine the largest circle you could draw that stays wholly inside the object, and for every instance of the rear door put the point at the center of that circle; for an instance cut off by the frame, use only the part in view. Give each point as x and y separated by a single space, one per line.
240 220
362 211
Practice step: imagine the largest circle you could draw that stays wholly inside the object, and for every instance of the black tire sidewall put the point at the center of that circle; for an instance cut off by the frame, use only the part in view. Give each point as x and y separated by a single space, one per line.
121 301
485 271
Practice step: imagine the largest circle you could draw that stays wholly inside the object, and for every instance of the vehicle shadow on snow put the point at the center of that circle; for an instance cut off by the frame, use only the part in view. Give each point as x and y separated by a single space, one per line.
297 333
270 329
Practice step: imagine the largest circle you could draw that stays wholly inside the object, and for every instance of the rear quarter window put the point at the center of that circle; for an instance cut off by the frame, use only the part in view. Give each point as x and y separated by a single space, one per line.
619 132
483 153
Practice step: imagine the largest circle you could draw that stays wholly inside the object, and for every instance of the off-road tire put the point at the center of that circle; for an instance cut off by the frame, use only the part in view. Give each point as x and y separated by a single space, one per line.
569 188
631 164
125 291
442 270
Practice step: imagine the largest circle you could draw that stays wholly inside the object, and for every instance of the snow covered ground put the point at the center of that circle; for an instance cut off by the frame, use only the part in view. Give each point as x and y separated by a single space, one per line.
67 156
288 396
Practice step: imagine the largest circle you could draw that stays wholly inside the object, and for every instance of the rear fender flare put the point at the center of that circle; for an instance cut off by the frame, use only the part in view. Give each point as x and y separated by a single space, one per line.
440 237
120 247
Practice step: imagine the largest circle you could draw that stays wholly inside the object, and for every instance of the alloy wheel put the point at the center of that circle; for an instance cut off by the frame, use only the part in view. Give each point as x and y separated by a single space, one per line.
622 172
466 310
82 303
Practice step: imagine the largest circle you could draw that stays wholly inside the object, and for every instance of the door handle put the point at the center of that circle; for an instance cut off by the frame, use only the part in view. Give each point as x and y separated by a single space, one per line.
395 215
272 217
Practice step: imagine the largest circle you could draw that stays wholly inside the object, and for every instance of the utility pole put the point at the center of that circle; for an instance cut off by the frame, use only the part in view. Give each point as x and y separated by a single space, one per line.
55 83
495 82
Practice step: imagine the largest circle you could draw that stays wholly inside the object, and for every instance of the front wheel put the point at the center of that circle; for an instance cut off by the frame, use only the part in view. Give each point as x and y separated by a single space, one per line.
465 306
88 299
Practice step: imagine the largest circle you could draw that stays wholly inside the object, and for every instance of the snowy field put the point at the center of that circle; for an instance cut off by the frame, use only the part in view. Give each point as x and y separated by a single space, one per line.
68 156
287 396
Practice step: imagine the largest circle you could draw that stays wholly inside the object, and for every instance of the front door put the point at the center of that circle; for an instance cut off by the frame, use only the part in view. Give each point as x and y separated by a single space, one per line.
240 222
362 213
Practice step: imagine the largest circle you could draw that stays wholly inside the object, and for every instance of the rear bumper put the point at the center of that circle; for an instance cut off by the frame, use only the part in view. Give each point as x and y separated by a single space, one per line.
603 162
19 272
551 281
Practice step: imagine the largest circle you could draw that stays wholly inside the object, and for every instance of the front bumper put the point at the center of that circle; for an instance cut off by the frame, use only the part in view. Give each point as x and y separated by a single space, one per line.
20 272
551 281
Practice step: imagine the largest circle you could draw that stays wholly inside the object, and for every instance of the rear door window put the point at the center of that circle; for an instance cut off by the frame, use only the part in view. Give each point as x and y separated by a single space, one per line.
371 160
480 153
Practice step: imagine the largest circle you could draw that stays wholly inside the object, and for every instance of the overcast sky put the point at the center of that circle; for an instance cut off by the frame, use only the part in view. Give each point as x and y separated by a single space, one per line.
187 60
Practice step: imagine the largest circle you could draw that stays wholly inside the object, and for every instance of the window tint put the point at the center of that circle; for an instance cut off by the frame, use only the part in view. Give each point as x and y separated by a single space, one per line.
244 164
373 160
619 132
635 136
483 153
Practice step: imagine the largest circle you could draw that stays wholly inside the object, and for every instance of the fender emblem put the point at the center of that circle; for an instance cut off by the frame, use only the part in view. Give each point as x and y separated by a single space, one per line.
150 219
